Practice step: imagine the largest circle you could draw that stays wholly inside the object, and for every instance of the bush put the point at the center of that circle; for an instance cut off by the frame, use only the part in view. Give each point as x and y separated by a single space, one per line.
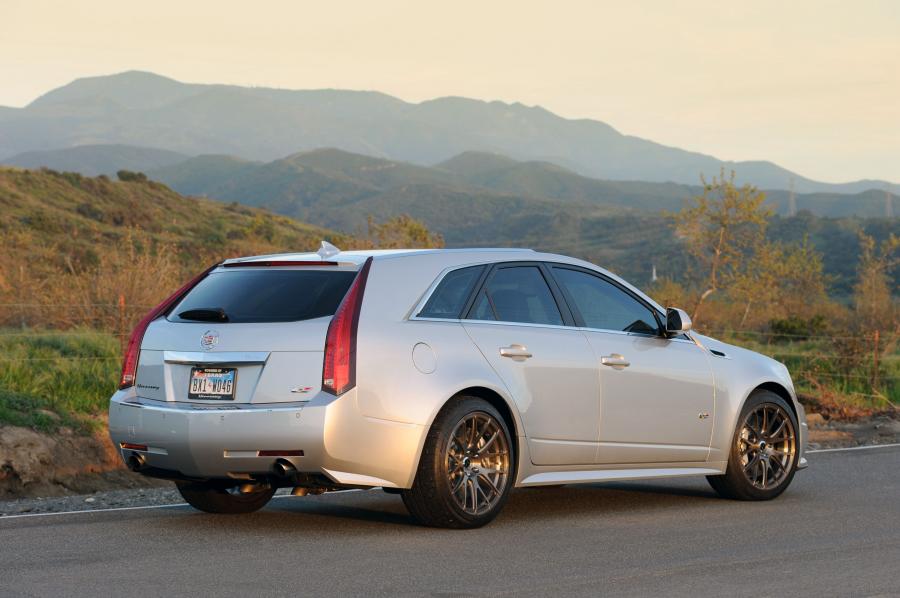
127 176
797 328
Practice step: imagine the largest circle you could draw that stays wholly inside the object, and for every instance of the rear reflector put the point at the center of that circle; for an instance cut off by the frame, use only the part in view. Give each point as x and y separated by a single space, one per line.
265 263
133 447
279 453
133 349
339 367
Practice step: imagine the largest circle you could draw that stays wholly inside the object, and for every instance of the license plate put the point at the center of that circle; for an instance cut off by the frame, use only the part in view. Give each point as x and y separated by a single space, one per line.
216 384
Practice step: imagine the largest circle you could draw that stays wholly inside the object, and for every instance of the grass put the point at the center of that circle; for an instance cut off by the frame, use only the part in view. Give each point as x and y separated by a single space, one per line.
50 380
819 369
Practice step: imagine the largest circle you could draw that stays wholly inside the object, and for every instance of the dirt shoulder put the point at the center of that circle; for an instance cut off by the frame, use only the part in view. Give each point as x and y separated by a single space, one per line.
832 433
37 464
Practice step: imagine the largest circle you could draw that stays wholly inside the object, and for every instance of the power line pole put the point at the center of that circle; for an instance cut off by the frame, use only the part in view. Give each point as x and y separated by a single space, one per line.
792 200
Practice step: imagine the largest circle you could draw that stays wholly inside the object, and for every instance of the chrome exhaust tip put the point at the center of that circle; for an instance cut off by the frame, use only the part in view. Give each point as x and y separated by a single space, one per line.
136 462
284 468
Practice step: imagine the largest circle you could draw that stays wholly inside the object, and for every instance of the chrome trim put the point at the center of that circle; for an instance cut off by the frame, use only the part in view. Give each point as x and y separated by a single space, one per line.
182 407
523 324
211 357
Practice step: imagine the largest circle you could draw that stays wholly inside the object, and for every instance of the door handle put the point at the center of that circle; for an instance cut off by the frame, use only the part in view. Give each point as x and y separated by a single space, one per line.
615 360
515 352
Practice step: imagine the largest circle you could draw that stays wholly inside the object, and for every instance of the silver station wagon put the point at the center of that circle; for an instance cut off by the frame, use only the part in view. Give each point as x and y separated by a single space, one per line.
445 376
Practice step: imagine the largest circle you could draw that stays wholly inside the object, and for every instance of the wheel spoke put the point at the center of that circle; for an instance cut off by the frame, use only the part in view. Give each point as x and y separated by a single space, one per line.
488 443
752 462
779 428
490 482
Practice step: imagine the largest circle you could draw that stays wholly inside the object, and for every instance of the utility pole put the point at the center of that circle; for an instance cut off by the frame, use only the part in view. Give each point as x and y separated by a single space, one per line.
792 200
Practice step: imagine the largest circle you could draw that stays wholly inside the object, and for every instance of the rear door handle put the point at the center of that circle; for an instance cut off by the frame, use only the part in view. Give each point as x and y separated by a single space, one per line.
615 360
515 352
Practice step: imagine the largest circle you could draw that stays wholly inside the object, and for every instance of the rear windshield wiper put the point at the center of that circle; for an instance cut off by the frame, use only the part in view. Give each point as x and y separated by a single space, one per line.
205 314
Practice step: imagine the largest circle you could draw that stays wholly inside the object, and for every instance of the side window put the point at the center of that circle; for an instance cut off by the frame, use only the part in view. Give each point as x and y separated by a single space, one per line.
603 305
517 294
449 298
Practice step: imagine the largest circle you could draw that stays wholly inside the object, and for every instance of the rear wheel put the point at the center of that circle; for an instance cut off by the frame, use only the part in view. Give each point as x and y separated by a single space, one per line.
466 469
213 498
763 455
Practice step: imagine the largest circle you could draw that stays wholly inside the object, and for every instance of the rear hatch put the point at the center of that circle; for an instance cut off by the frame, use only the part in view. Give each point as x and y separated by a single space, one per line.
245 335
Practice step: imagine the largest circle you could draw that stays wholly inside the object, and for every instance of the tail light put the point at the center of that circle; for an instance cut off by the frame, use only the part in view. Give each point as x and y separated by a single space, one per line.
339 369
133 349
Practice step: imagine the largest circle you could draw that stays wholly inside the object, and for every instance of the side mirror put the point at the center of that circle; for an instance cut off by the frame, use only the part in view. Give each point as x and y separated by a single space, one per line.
677 321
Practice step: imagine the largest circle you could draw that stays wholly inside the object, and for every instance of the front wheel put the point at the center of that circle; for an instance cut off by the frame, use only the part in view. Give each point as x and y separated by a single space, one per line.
466 469
213 498
763 456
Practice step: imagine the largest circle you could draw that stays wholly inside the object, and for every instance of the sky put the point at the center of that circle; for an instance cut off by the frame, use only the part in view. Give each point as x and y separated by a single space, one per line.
811 85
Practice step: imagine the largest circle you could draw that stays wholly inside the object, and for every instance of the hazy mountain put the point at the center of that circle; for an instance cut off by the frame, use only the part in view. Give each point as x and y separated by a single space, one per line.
144 109
92 160
308 184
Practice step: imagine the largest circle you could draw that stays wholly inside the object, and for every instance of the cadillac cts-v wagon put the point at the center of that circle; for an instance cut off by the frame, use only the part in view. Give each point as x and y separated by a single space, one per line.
445 376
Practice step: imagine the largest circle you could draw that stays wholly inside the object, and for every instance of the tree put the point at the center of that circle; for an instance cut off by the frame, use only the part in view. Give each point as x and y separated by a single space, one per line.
873 299
402 232
786 279
720 228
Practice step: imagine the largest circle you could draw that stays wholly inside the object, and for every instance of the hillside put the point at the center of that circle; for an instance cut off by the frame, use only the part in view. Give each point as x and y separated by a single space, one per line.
487 199
92 160
67 222
331 175
144 109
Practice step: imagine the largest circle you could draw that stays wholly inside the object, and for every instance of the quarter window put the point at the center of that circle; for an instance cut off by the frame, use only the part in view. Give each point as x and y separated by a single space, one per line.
603 305
449 298
517 294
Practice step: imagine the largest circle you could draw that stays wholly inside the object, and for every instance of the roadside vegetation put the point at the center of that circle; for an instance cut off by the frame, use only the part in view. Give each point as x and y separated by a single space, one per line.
773 297
83 258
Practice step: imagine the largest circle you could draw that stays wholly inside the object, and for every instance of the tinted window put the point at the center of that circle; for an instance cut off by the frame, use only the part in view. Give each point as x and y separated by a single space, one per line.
449 298
603 305
517 294
268 295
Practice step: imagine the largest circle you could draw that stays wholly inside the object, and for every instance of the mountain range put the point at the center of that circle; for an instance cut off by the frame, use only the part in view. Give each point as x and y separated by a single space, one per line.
309 184
261 124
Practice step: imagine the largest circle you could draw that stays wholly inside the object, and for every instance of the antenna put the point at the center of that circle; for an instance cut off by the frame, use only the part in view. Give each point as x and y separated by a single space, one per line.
792 200
327 250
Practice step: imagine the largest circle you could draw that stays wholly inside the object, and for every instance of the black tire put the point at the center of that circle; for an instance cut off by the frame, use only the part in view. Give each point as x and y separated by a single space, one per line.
213 498
431 500
735 483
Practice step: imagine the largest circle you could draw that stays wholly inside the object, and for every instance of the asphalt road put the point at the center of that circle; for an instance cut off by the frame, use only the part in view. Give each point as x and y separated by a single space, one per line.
835 532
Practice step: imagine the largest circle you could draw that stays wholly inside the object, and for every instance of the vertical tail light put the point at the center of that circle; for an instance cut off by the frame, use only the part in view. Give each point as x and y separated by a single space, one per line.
339 368
133 349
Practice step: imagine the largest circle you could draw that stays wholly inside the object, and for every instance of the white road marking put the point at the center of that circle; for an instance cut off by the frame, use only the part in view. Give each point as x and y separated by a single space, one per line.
181 504
144 507
853 448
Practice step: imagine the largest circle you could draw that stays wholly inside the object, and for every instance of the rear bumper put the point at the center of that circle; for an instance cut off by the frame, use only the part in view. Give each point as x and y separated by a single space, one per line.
224 441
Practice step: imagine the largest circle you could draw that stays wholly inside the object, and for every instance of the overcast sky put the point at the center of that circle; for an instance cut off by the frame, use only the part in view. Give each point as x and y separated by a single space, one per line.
813 85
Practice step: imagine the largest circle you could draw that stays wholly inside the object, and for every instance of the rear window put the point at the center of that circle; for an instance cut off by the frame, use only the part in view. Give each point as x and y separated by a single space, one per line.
266 295
449 298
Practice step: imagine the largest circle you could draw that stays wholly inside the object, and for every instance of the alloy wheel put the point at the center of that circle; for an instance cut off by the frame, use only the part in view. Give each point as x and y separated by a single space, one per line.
477 459
767 444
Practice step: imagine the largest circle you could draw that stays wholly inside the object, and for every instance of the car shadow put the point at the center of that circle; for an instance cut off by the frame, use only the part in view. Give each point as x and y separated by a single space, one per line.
373 508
